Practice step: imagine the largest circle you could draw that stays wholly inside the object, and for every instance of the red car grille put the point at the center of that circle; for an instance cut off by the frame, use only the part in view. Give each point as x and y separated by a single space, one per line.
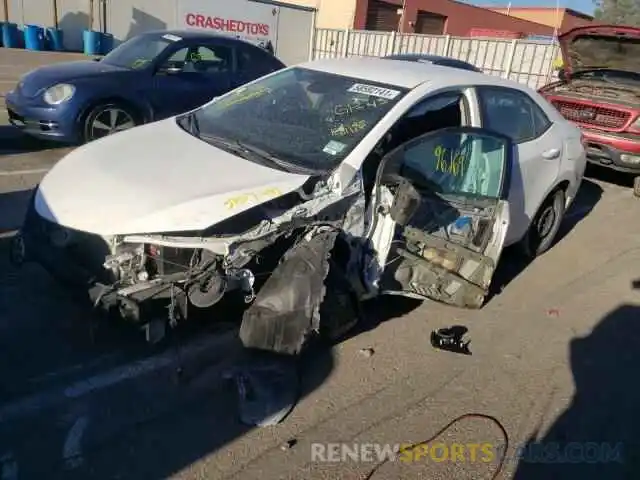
603 117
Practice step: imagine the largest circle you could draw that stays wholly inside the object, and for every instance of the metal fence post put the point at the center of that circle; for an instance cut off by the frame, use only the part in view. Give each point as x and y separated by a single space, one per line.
391 45
512 54
345 45
447 45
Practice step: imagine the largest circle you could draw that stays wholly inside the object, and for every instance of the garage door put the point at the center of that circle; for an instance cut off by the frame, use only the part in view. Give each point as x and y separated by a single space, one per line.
429 23
382 16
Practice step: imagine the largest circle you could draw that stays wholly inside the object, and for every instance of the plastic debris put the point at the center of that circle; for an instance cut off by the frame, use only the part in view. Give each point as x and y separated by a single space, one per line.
267 390
289 444
366 352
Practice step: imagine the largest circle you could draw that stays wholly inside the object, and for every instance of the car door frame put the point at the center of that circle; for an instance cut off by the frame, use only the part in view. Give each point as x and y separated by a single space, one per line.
382 232
525 202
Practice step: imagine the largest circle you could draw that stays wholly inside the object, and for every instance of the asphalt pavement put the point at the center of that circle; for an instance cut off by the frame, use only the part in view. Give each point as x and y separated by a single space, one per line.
554 356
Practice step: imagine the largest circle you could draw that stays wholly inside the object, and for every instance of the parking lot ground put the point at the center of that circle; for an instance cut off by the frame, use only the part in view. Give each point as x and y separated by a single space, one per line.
557 344
16 62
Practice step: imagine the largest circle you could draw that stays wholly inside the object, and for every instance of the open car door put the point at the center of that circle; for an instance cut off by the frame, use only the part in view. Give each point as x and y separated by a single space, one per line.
442 215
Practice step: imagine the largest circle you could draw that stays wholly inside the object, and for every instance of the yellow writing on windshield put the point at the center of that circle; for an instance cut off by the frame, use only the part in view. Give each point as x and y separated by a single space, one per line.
244 95
252 197
356 105
350 129
139 63
449 161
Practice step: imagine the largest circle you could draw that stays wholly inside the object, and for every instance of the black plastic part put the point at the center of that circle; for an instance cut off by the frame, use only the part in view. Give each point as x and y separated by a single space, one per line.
451 339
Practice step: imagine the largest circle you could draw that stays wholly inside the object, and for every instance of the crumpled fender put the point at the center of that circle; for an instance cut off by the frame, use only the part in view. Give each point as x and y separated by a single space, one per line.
287 311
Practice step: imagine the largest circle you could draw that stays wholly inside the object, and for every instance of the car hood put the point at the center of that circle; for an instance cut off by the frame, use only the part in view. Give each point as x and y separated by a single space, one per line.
602 46
155 178
36 81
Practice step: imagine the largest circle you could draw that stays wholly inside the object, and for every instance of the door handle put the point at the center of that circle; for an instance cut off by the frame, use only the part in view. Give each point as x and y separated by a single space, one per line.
551 154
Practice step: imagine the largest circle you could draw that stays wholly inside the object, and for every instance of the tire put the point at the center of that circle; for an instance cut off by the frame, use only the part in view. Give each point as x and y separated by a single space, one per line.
544 226
108 118
636 186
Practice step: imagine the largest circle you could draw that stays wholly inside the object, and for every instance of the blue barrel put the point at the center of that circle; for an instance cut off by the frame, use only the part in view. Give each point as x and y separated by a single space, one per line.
33 37
92 42
10 35
54 40
107 43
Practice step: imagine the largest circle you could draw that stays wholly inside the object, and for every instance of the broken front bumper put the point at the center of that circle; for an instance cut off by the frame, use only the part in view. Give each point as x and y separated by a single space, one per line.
76 259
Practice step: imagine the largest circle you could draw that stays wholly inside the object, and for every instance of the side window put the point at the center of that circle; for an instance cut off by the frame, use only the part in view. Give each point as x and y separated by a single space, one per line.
458 162
257 62
201 59
433 113
210 59
512 113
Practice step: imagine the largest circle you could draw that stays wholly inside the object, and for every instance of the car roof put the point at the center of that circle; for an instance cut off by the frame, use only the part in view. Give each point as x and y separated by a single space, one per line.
406 74
196 35
437 59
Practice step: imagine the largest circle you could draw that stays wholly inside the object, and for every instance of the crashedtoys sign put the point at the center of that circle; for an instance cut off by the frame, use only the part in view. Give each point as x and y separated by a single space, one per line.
255 22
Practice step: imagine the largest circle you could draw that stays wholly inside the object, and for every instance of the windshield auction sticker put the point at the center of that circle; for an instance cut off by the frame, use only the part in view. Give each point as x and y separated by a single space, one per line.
374 91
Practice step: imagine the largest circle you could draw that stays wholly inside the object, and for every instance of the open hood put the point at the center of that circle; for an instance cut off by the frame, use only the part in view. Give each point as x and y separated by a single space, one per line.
155 178
602 46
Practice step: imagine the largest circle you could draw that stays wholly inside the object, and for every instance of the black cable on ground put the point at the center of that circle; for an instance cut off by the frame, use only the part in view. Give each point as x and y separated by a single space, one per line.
447 427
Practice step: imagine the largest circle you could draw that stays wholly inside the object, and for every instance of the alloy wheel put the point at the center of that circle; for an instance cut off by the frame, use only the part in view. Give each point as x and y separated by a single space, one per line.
110 120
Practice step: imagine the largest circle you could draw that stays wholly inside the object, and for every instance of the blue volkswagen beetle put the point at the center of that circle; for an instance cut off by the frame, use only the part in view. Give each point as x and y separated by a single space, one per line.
152 76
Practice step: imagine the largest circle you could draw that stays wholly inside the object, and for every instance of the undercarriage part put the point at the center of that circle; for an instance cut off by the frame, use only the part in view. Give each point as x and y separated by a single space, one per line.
155 330
208 290
290 308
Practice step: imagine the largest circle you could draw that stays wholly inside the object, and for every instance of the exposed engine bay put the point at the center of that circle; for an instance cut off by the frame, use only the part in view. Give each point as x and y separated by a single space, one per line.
594 90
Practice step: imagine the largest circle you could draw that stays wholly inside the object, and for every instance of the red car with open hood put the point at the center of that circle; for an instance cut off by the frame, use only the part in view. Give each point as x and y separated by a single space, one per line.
599 90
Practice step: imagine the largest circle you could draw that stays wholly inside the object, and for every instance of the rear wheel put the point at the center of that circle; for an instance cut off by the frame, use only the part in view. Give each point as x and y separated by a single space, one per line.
544 226
107 119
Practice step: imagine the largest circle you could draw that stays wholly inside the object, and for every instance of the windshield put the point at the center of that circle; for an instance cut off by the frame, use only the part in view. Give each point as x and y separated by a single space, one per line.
138 52
307 118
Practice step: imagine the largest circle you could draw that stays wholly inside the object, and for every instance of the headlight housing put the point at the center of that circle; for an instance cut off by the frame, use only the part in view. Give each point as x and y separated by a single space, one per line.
59 93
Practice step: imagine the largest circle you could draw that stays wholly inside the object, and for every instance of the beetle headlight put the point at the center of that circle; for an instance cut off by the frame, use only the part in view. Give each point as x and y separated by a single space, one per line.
59 93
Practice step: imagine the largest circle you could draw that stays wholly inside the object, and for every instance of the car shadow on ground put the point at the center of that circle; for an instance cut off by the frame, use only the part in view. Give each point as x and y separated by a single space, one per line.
610 176
513 263
596 437
14 142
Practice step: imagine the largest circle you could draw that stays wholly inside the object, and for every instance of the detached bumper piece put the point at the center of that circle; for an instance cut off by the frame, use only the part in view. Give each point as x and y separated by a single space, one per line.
307 295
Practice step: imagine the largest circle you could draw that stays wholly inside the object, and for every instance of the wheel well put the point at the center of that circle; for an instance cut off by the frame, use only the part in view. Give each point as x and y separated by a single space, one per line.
119 100
563 185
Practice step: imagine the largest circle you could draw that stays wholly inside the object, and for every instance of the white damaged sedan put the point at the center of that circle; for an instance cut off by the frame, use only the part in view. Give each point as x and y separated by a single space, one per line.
308 191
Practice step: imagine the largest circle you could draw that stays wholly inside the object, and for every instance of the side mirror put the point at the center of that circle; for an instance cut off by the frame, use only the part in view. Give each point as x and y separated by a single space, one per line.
169 70
97 59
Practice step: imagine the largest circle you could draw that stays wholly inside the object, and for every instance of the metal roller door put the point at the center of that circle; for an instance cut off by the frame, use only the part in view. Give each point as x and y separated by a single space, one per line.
382 16
429 23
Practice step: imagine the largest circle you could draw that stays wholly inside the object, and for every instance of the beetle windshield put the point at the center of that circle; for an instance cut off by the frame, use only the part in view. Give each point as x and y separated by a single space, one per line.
138 52
306 118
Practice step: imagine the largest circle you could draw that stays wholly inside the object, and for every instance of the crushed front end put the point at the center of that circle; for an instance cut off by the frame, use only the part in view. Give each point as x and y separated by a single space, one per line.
153 279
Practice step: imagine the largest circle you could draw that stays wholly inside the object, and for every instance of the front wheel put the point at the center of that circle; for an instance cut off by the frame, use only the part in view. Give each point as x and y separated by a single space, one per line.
544 226
107 119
